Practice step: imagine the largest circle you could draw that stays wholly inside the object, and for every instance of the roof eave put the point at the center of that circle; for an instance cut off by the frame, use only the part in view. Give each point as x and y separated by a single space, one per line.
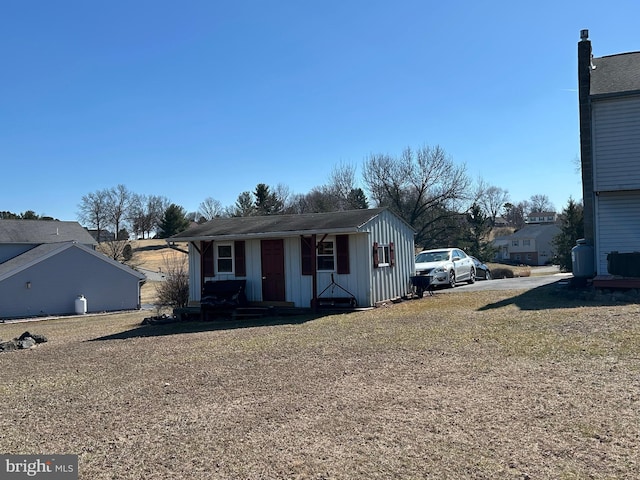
291 233
604 96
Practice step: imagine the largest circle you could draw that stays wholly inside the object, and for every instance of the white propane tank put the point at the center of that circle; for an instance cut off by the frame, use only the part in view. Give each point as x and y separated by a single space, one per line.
81 305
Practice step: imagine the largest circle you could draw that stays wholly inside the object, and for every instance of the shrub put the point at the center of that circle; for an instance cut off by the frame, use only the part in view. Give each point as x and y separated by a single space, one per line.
174 290
502 272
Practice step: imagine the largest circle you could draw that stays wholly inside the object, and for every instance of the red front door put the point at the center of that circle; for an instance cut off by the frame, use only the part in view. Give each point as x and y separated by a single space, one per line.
273 270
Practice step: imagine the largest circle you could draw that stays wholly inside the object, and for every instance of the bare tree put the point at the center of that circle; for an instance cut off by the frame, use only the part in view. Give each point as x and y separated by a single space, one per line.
515 213
114 249
145 213
424 187
93 211
491 200
283 193
319 199
174 290
210 208
118 203
540 203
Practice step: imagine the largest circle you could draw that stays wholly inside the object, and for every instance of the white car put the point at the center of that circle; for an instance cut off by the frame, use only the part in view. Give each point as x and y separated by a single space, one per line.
446 266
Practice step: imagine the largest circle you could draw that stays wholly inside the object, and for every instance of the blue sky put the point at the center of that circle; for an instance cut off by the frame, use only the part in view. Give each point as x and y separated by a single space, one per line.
199 99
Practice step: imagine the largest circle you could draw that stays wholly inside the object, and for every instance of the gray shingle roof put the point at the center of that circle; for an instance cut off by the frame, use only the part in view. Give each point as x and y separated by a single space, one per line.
43 231
28 257
345 221
616 74
41 252
533 231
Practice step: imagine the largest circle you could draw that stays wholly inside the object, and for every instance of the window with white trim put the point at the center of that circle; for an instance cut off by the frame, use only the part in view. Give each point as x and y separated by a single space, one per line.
514 243
224 257
384 255
326 255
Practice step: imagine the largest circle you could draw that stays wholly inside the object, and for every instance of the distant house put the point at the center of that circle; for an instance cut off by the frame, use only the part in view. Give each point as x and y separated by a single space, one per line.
541 217
102 236
46 265
609 93
531 245
368 253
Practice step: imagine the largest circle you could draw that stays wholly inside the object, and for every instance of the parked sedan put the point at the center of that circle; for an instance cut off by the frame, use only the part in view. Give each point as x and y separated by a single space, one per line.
482 271
446 266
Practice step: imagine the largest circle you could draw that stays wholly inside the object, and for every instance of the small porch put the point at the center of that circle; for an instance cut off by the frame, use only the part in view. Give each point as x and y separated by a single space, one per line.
615 281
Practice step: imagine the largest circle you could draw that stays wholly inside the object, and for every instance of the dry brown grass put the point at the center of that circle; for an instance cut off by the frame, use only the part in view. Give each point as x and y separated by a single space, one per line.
151 254
464 385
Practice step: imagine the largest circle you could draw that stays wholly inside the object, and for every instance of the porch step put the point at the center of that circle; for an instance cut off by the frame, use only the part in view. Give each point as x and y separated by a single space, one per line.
250 312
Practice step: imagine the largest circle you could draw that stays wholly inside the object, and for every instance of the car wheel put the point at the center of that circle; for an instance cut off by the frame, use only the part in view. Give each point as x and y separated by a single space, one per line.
472 278
487 275
452 279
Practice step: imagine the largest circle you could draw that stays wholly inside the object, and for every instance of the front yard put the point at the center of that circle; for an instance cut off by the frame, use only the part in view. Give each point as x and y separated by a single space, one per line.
463 385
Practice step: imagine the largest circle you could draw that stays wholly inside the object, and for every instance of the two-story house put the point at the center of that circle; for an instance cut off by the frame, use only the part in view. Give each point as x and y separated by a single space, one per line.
531 245
541 217
609 94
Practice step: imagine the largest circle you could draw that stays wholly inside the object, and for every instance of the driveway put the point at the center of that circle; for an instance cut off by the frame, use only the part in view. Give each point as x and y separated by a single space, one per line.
152 276
539 276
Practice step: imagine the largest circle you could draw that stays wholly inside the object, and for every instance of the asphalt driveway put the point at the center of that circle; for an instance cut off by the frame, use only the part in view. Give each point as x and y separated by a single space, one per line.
539 276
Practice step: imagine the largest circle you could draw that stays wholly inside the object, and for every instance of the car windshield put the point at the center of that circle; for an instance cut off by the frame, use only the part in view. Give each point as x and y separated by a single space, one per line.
426 257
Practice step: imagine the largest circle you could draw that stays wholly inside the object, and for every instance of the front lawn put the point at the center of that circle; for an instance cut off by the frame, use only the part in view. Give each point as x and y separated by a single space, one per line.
463 385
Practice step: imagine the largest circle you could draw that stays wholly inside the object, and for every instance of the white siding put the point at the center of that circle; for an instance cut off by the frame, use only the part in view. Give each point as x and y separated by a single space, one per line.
369 285
194 274
617 226
616 144
392 282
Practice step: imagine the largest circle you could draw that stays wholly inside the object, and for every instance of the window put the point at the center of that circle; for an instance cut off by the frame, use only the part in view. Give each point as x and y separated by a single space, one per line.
384 259
326 255
331 254
383 255
526 243
514 243
224 260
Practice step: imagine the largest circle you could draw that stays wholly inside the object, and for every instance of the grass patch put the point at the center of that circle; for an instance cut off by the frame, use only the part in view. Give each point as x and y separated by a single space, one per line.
463 385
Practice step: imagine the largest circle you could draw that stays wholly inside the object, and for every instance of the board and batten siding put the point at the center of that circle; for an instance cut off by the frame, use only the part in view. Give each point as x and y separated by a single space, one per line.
616 144
618 226
367 284
392 282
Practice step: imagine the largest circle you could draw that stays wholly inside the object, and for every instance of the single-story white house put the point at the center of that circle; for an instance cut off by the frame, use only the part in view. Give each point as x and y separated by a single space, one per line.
300 259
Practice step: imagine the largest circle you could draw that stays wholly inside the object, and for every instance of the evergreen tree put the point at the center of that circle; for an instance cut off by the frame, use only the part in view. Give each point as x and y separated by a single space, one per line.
478 227
356 199
267 202
173 221
244 206
572 229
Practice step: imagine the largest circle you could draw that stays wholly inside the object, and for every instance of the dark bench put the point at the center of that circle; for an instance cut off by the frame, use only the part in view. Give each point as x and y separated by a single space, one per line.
222 296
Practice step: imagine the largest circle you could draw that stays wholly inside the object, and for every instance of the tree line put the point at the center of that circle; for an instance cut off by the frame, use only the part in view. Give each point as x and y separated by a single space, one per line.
424 186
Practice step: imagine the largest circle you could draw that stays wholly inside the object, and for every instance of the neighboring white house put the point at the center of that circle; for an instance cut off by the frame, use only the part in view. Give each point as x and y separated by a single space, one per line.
541 217
293 258
531 245
609 92
46 265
